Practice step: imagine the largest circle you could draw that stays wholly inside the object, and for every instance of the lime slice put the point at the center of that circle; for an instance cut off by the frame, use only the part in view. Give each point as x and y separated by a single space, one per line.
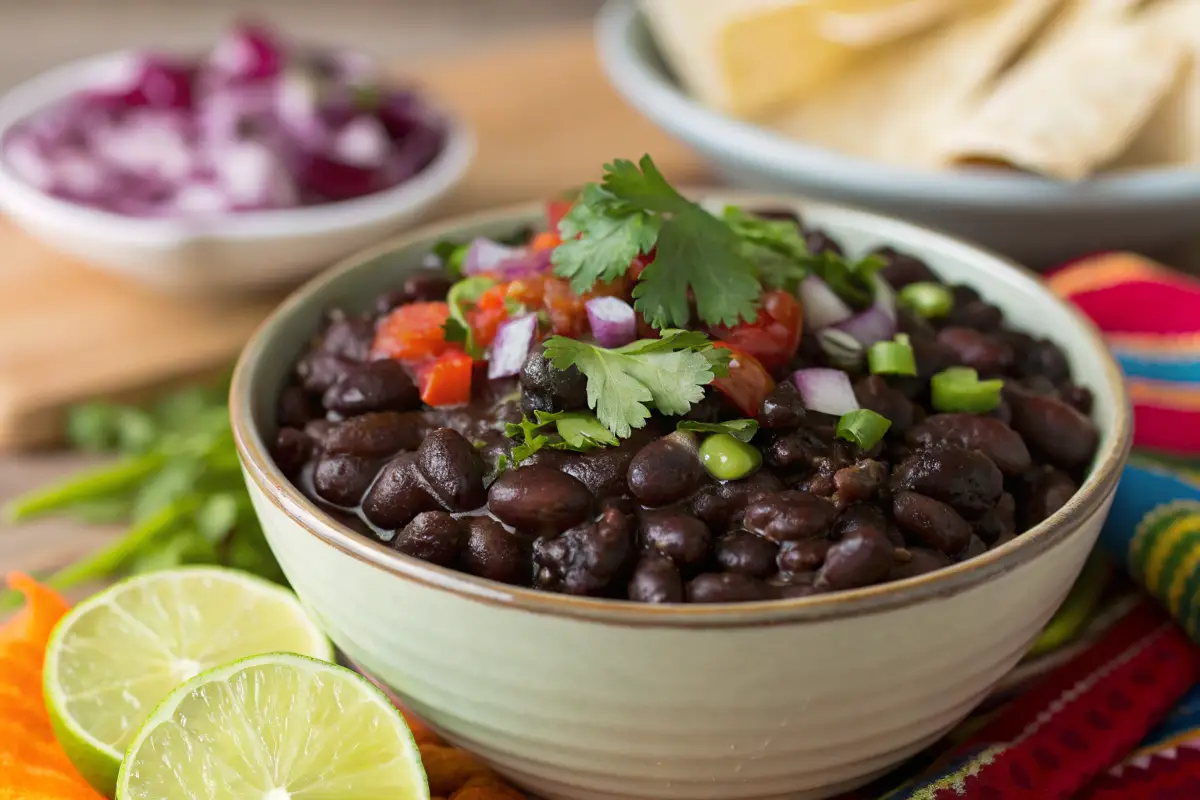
114 657
274 727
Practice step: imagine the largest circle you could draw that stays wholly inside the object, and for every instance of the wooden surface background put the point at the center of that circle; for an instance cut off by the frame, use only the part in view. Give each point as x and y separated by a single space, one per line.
545 119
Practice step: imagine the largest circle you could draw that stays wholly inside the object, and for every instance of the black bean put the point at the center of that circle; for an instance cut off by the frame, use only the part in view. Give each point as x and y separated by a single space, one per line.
723 587
1000 522
788 516
859 482
349 338
656 580
989 355
427 286
782 408
377 434
806 555
746 553
492 552
341 480
965 479
319 371
432 536
721 504
675 534
1059 431
977 314
874 393
1080 397
862 518
666 471
544 388
1045 358
291 451
931 522
296 408
604 470
975 547
453 470
920 562
585 559
1049 490
988 435
398 495
860 558
901 269
374 386
932 357
539 499
318 430
800 449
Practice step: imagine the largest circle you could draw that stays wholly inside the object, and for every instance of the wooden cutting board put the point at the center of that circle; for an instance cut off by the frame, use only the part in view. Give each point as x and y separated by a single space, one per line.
545 119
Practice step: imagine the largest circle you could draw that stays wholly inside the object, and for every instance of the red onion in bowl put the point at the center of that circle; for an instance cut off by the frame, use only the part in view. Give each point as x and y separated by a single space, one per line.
246 53
822 306
613 321
877 323
485 255
827 391
511 346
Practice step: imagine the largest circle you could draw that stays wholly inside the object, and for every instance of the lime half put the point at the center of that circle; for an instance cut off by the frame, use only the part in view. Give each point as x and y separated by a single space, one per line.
274 727
114 657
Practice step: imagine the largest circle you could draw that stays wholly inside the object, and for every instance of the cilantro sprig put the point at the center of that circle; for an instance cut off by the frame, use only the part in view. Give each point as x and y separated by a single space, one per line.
635 210
741 429
576 430
623 384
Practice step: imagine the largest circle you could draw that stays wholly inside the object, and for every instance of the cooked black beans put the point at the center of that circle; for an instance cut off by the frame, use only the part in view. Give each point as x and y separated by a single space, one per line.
644 520
539 499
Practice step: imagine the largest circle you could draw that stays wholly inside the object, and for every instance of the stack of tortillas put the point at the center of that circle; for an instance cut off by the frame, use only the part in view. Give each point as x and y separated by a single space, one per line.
1061 88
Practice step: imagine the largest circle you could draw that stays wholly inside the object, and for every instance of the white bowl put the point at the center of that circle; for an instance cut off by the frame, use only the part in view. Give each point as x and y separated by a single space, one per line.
1035 220
242 251
586 699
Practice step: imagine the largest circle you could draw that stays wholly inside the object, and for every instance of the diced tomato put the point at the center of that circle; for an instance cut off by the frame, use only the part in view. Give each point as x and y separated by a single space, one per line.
556 210
446 381
412 332
529 292
748 382
639 263
774 336
568 317
619 287
546 240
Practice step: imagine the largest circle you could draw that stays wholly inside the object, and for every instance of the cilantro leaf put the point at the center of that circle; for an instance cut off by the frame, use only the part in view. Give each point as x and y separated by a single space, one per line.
697 251
853 281
614 235
462 294
775 248
743 429
643 186
577 430
668 374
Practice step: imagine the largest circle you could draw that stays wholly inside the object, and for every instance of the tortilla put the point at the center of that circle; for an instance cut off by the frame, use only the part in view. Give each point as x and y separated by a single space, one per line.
890 24
896 104
1070 109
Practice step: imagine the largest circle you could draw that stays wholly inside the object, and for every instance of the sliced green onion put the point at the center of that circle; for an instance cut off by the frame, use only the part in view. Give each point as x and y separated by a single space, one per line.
863 427
844 351
892 358
926 299
959 389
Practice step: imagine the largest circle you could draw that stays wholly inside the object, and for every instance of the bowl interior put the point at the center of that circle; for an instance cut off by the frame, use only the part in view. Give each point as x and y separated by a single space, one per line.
268 359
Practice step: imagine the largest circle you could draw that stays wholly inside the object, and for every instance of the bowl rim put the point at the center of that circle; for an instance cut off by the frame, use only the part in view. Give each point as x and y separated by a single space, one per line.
405 198
621 27
1092 496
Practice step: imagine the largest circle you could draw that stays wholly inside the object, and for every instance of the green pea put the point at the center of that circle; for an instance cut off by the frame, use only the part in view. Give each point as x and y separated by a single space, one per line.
728 459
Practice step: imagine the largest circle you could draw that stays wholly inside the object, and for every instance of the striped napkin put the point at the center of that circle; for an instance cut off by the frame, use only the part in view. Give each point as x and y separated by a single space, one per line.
1121 719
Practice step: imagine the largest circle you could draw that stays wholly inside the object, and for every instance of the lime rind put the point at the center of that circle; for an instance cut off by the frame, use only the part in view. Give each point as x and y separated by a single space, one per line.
274 726
83 676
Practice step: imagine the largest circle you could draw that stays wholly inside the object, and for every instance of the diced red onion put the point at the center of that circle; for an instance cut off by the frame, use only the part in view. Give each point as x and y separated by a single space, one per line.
363 142
822 306
486 255
254 176
163 83
248 52
612 320
827 391
870 326
511 346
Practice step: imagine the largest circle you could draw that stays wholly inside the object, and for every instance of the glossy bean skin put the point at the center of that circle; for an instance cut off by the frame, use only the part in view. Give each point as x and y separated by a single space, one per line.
296 408
376 434
342 480
806 555
374 386
585 559
723 587
860 558
666 471
858 483
875 394
544 388
319 371
789 516
399 494
782 408
675 534
747 554
920 562
931 522
453 470
655 579
1000 523
291 450
965 479
721 505
988 354
988 435
1049 490
901 269
348 337
539 499
432 536
604 471
491 552
1060 431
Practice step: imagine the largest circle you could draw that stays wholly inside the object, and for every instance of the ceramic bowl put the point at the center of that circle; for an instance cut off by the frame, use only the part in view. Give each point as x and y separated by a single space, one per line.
226 254
586 699
1039 222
